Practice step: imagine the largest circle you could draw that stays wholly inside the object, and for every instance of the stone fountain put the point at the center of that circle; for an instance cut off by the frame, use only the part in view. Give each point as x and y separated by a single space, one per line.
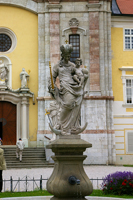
68 180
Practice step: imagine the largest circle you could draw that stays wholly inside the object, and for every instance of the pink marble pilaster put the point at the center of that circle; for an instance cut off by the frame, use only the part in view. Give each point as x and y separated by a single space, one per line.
54 37
94 51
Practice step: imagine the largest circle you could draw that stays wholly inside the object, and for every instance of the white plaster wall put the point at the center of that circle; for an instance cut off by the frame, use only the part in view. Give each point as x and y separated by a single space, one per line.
41 115
99 117
124 159
94 112
98 153
42 141
123 123
118 109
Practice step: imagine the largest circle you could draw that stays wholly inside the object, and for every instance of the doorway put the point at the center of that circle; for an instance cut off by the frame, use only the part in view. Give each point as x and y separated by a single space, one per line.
1 130
8 123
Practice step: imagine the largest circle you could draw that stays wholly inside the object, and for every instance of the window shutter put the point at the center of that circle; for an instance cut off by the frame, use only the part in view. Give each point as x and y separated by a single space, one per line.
130 141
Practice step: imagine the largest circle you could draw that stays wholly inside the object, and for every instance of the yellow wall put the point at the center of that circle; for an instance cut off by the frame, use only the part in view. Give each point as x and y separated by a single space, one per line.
120 58
25 26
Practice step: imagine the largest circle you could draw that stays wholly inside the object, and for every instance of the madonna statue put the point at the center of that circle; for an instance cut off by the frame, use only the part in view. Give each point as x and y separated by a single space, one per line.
70 94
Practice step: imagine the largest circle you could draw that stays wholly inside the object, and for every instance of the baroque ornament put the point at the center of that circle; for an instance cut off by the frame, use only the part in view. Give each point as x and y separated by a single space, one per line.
73 22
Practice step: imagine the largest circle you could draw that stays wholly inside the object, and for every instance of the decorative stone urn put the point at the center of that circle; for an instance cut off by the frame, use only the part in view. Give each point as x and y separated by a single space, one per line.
69 180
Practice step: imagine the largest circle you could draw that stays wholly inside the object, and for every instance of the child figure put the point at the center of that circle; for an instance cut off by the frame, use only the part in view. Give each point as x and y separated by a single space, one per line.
81 74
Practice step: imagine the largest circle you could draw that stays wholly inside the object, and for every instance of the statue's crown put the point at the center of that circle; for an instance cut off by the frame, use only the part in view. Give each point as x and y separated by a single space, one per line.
66 48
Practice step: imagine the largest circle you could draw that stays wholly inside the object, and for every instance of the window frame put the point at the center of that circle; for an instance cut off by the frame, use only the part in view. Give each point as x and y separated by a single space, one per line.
129 87
75 46
131 39
127 132
13 38
5 42
124 77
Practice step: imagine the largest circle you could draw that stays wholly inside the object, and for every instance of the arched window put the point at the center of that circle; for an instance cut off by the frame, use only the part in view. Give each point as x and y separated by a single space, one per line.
74 40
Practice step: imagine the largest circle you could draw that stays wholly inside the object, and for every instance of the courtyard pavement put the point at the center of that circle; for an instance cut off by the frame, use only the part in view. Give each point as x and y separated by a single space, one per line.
93 171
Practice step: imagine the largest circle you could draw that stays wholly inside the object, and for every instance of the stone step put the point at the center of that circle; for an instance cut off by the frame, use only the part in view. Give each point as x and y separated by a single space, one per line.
32 158
26 156
25 153
26 150
21 165
26 160
28 166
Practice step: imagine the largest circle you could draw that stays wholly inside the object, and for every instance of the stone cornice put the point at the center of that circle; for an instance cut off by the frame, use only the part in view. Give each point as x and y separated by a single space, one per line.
38 6
69 28
124 116
58 1
27 4
93 7
47 98
14 98
128 68
99 98
96 1
54 7
54 1
98 131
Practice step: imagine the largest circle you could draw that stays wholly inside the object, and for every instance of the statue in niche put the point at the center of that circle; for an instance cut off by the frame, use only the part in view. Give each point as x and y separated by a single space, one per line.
24 77
69 96
3 73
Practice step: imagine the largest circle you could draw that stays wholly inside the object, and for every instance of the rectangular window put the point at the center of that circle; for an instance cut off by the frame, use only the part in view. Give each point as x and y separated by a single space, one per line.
74 40
129 90
130 142
128 38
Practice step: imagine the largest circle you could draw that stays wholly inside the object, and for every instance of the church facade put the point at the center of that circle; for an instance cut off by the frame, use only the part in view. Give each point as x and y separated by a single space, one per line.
31 32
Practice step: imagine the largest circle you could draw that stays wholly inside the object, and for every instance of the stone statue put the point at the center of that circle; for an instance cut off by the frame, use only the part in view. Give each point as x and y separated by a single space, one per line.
54 113
24 77
3 73
80 74
68 148
70 94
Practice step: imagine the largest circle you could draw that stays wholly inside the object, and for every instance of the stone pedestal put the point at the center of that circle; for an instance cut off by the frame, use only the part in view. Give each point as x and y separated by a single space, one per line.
3 87
68 166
